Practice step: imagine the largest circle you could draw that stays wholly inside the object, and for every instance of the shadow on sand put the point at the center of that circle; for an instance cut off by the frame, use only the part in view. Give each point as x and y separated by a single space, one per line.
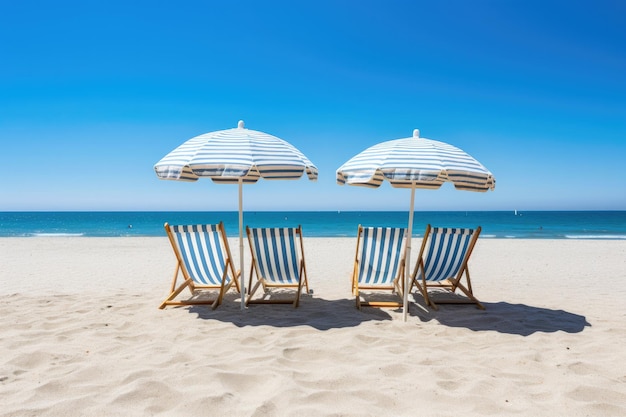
313 311
322 314
503 317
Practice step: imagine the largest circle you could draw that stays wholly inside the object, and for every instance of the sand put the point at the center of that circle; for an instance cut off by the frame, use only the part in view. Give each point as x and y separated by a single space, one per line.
81 335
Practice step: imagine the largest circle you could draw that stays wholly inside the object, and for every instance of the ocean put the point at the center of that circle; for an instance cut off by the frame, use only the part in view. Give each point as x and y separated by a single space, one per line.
495 224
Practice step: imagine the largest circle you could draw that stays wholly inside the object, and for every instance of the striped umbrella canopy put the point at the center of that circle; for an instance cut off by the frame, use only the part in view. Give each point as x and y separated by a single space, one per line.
235 156
415 163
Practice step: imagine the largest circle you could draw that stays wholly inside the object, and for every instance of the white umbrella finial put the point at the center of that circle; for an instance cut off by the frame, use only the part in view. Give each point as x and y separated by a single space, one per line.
240 124
416 133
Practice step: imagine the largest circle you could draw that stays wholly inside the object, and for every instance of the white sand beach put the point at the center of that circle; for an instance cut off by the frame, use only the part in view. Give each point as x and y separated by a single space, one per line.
81 335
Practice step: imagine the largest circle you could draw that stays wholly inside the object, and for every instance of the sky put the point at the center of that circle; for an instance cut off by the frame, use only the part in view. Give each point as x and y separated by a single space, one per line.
94 93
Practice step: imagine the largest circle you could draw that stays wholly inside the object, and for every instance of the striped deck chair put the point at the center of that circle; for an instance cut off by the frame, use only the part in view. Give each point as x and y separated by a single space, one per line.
442 263
277 262
204 260
379 263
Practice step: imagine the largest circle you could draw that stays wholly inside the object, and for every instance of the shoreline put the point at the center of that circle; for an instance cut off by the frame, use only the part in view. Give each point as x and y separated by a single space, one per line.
605 225
593 238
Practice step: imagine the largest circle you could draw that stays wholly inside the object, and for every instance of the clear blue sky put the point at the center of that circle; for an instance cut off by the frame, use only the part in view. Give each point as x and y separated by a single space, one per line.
94 93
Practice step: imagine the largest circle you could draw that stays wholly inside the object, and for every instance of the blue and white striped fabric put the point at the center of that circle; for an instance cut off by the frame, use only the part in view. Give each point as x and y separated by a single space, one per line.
202 252
381 255
445 253
276 254
415 163
228 155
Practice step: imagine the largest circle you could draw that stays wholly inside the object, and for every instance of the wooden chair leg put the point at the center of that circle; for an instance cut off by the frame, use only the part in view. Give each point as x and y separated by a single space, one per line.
252 291
174 293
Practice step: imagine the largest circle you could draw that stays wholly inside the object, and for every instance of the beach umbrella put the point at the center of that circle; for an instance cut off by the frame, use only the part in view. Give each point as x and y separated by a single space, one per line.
415 163
235 156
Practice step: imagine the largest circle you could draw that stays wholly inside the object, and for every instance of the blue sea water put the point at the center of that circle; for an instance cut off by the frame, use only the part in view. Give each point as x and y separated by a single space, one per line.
495 224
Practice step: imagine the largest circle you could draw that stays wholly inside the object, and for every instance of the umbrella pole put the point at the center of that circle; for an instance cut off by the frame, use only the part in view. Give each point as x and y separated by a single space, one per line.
407 264
241 274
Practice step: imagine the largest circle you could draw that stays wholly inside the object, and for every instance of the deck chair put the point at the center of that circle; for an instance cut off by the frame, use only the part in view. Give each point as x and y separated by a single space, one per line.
442 263
278 263
204 261
379 264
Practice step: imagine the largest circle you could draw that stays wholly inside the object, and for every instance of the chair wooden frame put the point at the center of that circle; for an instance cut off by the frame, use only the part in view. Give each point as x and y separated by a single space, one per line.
392 276
277 262
191 244
448 278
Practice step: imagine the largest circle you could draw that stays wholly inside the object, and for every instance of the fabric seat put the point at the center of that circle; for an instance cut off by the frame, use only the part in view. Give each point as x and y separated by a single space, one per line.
204 261
379 263
278 263
442 263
